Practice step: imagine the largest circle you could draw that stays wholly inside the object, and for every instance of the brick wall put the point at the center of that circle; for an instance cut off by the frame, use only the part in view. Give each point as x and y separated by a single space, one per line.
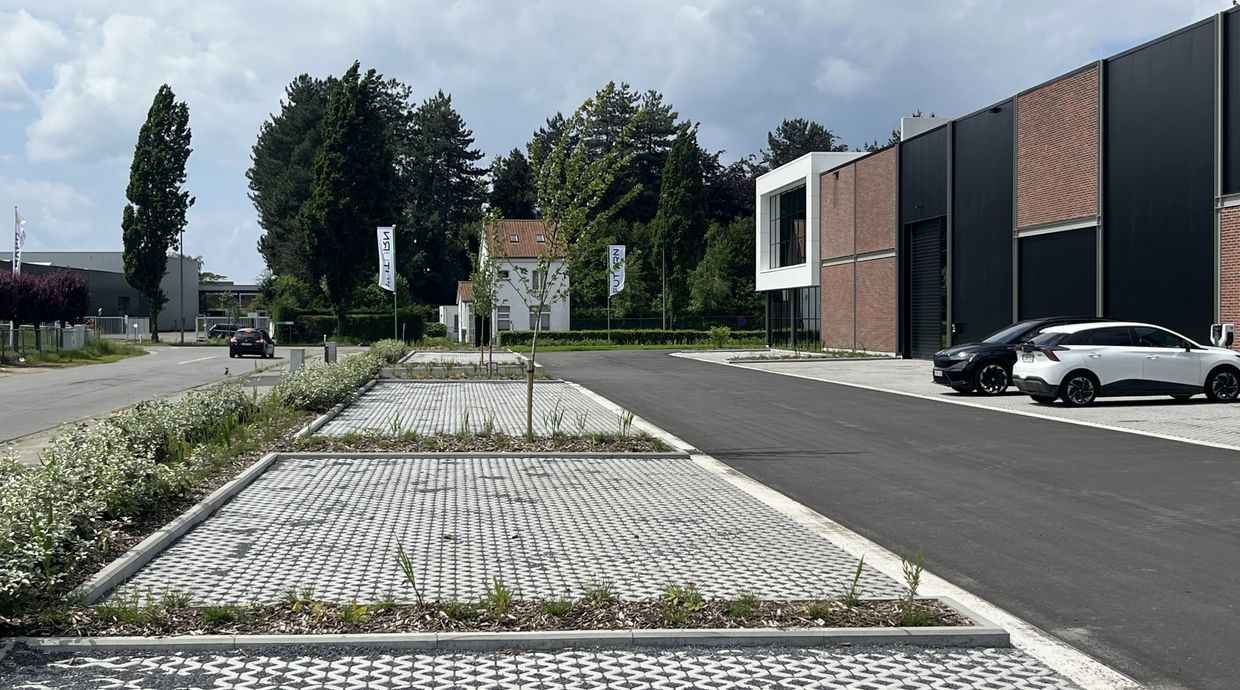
837 306
1057 151
876 202
1229 261
876 305
836 212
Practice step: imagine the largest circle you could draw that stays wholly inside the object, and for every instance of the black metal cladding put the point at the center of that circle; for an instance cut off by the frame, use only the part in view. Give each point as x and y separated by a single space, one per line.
1231 102
982 223
1057 274
923 177
1158 220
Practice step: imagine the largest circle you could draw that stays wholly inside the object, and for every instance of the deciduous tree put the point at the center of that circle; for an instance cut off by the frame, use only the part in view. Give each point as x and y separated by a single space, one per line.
155 215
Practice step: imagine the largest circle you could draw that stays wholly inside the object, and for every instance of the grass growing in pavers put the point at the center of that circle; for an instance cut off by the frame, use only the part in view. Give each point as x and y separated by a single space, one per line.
409 442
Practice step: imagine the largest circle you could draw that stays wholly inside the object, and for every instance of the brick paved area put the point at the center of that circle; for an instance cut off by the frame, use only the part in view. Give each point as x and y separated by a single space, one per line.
459 357
546 526
1197 419
863 668
446 407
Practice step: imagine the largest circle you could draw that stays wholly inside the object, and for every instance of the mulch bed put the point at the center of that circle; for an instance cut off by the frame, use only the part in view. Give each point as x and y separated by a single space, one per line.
324 618
496 443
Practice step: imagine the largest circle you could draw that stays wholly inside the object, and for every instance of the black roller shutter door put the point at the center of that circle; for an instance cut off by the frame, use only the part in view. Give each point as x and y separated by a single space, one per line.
926 244
1058 274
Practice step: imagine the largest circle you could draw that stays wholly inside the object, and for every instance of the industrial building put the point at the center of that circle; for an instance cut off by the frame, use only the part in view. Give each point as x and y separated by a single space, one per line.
1113 190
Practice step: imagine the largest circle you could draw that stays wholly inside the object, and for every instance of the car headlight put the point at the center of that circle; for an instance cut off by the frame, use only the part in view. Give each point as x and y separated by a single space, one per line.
964 355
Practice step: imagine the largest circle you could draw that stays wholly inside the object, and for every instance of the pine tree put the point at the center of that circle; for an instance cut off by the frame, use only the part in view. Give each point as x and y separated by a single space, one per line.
795 138
445 191
355 189
680 225
512 186
155 215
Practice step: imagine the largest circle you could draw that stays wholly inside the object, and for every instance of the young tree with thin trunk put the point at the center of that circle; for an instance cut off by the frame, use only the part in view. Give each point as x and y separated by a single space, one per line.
575 190
485 281
155 215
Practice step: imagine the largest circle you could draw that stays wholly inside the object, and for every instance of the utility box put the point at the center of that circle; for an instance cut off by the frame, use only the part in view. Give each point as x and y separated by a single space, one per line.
1222 334
329 352
296 359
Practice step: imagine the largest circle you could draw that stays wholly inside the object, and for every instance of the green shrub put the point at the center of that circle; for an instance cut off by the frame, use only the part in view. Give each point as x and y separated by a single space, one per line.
390 351
365 327
318 388
625 337
435 329
719 336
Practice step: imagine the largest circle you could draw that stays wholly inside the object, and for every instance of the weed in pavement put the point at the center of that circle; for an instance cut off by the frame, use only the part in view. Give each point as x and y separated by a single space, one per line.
600 594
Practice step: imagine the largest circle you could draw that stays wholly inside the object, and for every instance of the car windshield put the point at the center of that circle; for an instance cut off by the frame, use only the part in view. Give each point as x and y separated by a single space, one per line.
1012 334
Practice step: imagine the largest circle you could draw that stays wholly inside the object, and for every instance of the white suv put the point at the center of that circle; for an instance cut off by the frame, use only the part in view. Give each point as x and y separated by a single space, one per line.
1080 362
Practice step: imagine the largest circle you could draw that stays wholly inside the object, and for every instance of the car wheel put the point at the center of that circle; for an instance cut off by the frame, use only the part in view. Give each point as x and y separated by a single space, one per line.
991 378
1080 388
1223 385
1044 399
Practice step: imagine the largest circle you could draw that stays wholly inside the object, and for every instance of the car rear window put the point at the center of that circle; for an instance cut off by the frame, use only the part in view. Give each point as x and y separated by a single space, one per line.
247 336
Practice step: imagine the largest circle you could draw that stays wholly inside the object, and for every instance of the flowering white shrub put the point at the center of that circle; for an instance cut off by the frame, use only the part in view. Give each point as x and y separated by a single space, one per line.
318 388
390 351
94 478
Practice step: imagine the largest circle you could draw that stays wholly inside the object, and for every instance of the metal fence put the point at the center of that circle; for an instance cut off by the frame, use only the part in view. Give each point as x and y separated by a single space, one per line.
204 324
18 342
120 327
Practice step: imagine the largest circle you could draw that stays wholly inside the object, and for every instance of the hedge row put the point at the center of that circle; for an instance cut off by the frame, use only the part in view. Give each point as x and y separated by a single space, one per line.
623 337
309 328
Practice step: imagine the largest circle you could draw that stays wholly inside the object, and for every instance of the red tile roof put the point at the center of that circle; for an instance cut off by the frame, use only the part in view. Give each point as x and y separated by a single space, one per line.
525 245
464 291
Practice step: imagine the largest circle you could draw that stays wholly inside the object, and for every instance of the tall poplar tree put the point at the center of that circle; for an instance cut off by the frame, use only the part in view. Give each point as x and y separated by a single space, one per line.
155 215
680 224
355 189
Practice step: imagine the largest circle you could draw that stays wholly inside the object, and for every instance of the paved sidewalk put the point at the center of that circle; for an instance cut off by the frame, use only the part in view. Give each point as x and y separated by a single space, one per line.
547 526
464 358
871 668
1196 420
446 407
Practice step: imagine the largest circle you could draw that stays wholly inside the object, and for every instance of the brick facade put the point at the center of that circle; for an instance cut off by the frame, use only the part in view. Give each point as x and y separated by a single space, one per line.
876 305
837 306
876 202
1057 151
836 212
1229 262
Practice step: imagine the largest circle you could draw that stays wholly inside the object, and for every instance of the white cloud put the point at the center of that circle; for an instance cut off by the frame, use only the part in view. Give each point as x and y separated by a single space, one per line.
57 215
839 77
26 43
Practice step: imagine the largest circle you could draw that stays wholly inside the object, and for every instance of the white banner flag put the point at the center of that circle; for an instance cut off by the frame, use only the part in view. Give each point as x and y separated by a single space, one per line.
387 255
19 240
615 260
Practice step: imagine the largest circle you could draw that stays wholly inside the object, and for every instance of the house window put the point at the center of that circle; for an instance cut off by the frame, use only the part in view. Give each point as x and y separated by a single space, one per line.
503 318
513 238
538 280
540 238
787 231
546 319
456 323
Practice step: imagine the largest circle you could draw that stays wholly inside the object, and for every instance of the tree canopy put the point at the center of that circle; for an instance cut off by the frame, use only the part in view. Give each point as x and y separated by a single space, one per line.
795 138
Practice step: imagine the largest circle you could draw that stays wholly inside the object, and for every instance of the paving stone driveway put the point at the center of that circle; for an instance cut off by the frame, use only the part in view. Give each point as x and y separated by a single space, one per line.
546 526
428 407
1197 419
289 669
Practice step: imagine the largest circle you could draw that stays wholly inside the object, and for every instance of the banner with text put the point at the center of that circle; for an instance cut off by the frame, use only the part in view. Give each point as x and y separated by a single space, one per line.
387 255
615 259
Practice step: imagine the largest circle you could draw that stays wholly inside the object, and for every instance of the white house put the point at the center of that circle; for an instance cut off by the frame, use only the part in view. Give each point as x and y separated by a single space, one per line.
515 247
463 312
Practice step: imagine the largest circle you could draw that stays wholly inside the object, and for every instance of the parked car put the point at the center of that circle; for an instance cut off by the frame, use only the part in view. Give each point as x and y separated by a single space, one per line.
986 367
1079 363
222 330
251 341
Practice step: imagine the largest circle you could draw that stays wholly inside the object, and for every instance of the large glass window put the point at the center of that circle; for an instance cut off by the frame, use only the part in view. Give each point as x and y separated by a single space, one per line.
787 232
794 318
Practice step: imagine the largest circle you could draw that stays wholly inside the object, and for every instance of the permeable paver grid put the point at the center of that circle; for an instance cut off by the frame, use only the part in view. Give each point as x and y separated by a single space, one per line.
830 669
546 526
449 407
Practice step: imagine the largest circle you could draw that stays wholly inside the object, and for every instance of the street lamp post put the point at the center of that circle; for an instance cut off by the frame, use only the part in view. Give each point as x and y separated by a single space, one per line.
182 286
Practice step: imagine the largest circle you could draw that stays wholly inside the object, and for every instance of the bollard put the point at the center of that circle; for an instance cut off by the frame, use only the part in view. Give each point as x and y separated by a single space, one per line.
296 358
329 352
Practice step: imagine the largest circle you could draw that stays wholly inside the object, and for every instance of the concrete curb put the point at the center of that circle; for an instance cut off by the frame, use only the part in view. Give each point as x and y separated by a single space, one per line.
424 381
794 360
132 560
422 455
331 414
982 633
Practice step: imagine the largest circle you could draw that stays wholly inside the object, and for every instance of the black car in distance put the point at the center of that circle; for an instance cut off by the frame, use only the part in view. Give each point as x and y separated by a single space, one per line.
986 367
251 341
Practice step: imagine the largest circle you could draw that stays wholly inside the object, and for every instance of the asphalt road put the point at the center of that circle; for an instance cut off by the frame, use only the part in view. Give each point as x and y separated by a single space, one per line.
1125 546
38 401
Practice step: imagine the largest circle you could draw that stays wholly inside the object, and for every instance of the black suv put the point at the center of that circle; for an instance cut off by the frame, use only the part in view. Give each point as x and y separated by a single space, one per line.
251 341
986 367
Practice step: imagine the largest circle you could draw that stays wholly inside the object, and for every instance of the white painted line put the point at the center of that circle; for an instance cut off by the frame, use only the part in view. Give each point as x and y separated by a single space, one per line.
980 406
191 361
1081 668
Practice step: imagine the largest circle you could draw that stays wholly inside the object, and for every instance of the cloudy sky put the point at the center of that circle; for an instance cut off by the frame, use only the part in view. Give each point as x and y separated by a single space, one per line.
76 78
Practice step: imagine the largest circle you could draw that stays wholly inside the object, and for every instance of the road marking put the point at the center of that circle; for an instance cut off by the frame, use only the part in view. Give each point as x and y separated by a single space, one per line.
966 403
1084 670
191 361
